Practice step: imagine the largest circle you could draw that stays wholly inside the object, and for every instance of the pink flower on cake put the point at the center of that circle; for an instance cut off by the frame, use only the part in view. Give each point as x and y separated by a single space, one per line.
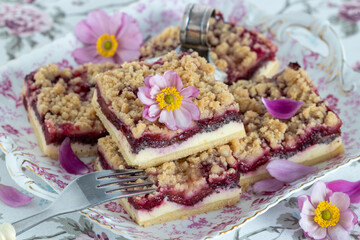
165 99
326 214
107 38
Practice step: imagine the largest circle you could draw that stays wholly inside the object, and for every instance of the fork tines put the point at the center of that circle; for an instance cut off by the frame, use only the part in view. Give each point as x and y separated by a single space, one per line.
119 180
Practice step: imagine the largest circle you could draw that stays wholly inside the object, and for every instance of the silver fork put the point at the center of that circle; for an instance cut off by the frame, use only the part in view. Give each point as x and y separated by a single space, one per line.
89 190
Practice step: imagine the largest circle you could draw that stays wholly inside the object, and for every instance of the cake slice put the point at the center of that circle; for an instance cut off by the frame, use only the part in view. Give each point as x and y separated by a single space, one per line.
241 53
200 183
311 136
143 143
58 106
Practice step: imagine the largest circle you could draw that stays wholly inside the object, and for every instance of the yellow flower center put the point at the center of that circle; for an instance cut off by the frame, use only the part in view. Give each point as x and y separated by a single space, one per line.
327 214
169 98
106 45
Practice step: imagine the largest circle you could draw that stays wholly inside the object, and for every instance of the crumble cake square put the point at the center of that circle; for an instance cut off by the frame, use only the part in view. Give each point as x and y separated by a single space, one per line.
58 106
143 143
241 53
311 136
196 184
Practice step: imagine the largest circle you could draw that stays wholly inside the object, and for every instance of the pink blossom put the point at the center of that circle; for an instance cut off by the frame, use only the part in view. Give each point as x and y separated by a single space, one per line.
326 214
165 99
115 38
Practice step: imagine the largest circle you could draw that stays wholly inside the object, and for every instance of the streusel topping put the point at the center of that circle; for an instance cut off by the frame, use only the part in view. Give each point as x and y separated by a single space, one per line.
119 88
234 49
63 96
188 175
262 128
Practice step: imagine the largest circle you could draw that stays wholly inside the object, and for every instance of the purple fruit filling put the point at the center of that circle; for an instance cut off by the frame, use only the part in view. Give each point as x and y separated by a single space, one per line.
150 140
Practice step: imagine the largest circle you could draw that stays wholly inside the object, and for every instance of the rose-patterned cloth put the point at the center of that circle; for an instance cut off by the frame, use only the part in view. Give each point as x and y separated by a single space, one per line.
29 24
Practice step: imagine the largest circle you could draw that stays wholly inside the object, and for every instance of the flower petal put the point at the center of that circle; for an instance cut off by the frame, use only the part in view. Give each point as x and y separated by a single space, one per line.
85 54
288 171
154 111
189 92
126 55
69 161
158 81
267 185
128 34
183 118
144 95
192 108
100 22
337 233
146 81
173 80
347 219
352 189
146 114
13 197
167 117
310 227
84 33
301 200
282 108
319 193
308 208
340 200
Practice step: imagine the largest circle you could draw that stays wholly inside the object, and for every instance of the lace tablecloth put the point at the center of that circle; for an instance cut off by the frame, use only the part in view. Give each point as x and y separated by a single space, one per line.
29 24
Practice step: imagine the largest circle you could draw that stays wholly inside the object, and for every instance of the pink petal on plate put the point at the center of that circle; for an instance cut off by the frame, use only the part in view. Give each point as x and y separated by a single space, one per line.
69 161
352 189
288 171
13 197
267 185
282 108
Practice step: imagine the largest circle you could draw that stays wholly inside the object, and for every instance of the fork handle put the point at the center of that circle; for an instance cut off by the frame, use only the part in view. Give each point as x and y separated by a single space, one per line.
31 221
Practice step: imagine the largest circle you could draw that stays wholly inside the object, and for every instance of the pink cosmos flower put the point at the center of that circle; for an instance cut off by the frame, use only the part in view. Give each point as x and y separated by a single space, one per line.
107 38
165 99
326 214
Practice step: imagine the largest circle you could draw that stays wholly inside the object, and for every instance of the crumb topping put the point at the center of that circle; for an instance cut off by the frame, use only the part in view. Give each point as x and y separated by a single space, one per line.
233 48
187 176
265 130
63 96
119 88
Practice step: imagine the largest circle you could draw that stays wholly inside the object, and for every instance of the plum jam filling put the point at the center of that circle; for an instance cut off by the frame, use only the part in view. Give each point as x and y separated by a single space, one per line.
55 134
317 135
150 140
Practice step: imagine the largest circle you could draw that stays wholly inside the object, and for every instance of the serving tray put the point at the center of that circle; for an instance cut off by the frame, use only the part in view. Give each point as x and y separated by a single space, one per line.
23 155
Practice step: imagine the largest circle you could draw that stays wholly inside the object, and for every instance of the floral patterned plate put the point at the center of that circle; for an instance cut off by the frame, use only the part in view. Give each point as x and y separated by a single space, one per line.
152 17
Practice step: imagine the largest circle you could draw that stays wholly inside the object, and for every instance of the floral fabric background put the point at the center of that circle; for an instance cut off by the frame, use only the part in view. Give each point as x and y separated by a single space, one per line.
28 24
